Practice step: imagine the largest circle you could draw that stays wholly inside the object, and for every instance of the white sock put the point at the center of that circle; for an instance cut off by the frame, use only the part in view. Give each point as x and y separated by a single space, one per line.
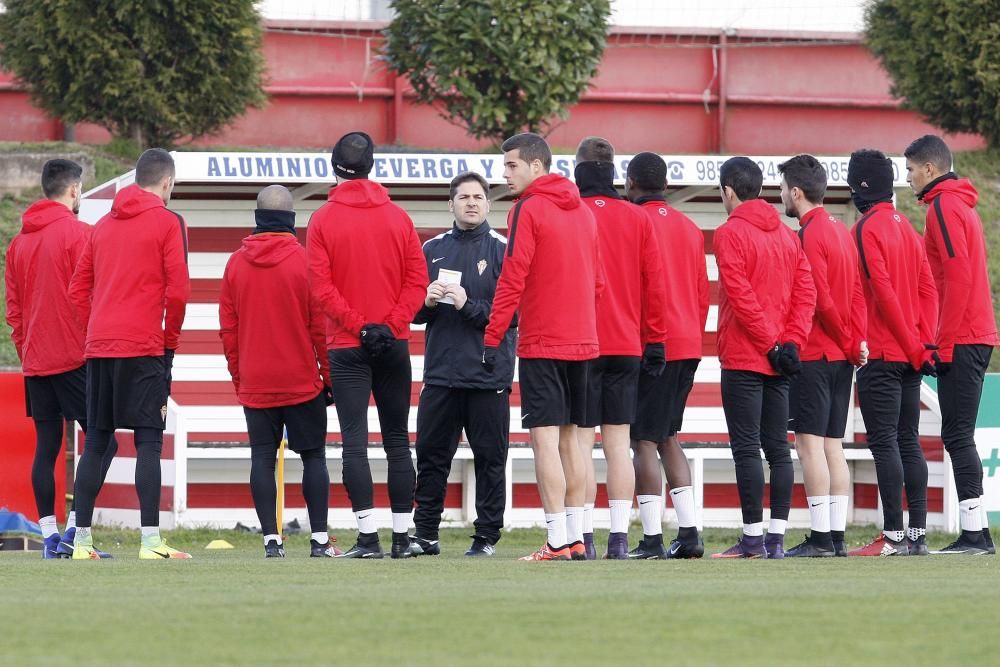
48 526
366 521
555 524
620 515
320 538
914 533
838 513
82 536
819 513
969 516
777 526
71 520
272 538
574 525
651 514
754 529
588 518
682 498
150 534
894 535
400 522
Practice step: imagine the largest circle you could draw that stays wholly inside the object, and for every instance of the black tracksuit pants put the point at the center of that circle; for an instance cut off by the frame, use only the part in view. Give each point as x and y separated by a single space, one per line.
959 392
889 393
443 413
756 407
356 376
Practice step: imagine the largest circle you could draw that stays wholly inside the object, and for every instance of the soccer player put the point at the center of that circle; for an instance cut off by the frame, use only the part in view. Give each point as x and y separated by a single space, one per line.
40 262
274 338
765 309
131 287
966 332
552 272
820 396
634 274
368 273
459 393
661 398
902 317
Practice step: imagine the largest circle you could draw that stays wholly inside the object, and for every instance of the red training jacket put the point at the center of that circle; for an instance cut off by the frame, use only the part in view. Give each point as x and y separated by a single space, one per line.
273 333
553 272
841 321
956 251
767 294
899 289
634 274
40 264
366 265
131 285
685 275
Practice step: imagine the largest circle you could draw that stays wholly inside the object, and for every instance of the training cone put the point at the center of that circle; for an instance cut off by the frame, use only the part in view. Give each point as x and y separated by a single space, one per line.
219 544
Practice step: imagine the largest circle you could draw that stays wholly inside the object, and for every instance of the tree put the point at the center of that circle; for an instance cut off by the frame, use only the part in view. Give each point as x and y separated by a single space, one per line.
498 67
944 59
155 71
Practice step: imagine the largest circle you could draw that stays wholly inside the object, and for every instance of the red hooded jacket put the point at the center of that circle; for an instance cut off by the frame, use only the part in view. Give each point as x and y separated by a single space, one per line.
131 285
553 272
841 321
956 251
634 274
273 333
682 247
366 265
40 264
767 294
899 288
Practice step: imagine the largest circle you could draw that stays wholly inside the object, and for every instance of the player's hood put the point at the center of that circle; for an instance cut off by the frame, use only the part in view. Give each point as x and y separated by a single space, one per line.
269 248
133 201
43 213
961 187
758 213
359 193
558 189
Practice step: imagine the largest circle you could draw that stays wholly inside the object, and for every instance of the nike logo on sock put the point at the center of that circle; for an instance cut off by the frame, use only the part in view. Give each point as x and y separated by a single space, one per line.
815 504
365 516
436 260
645 502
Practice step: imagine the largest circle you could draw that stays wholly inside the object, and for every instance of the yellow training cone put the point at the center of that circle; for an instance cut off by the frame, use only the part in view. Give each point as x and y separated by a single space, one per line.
219 544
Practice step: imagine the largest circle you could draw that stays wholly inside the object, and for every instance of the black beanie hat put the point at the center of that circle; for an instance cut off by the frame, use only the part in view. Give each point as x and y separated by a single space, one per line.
353 155
870 176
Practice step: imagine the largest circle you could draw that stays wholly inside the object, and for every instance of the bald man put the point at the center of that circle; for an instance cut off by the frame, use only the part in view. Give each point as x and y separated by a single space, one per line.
274 339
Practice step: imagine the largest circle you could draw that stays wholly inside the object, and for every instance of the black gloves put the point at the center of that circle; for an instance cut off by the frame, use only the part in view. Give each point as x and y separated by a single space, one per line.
654 359
490 358
772 356
168 368
328 394
931 366
784 358
377 339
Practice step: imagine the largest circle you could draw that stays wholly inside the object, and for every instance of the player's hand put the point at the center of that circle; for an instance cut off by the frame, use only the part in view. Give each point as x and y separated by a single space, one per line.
654 359
168 368
490 358
377 339
435 292
458 295
772 356
789 364
863 356
328 394
924 359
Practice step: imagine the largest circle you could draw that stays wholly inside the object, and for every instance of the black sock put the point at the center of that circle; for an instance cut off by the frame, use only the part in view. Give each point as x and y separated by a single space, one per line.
974 536
687 534
652 539
837 535
821 539
368 539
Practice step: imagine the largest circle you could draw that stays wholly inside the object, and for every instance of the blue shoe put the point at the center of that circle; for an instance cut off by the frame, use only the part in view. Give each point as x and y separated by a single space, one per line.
65 549
50 545
774 545
588 546
747 547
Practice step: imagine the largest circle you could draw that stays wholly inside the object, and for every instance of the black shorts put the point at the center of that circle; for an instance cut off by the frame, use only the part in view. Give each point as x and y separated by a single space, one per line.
660 407
130 392
306 424
554 392
59 396
615 382
819 398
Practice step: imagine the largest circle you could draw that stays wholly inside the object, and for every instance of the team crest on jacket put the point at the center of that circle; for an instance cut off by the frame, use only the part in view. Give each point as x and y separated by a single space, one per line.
662 211
481 266
599 203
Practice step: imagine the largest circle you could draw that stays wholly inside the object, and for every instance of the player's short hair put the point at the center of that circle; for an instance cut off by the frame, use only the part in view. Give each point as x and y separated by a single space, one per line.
929 148
275 198
743 175
807 174
58 176
648 172
465 177
529 147
154 165
595 149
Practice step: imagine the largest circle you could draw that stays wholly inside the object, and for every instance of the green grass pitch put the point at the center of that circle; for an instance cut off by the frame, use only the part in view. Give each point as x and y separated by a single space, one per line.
234 608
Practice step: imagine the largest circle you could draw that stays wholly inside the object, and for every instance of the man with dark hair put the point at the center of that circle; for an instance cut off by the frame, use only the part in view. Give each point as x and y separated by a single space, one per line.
820 396
274 338
661 398
902 314
552 272
131 288
966 332
40 263
765 310
368 273
634 274
459 393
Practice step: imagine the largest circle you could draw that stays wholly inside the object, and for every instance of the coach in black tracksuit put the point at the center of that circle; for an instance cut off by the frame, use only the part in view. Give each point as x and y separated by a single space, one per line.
459 393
